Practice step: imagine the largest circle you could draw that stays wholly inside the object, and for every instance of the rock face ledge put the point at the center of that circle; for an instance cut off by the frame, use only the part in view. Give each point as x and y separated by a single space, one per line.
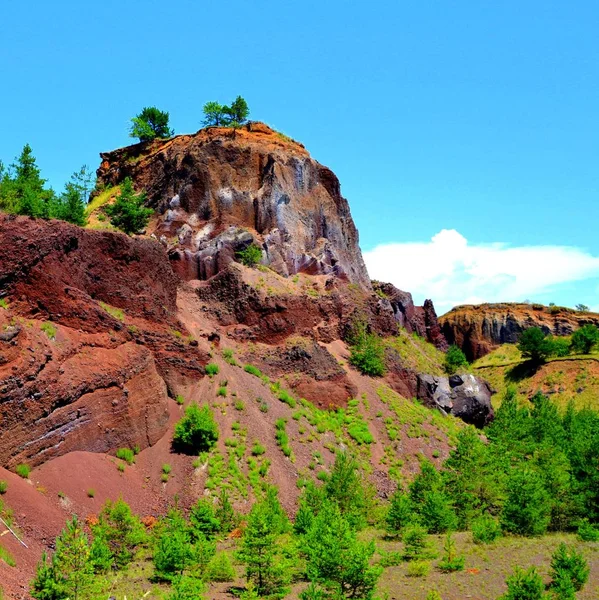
219 190
479 329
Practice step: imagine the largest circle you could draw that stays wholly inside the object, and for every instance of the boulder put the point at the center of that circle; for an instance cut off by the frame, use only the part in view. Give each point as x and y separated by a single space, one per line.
464 396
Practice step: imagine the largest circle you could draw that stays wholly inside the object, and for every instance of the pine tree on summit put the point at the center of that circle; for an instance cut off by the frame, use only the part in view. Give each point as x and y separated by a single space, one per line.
149 124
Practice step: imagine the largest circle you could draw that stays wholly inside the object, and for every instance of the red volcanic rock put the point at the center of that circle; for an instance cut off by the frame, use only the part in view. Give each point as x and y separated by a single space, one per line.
56 271
218 190
414 319
75 392
74 373
479 329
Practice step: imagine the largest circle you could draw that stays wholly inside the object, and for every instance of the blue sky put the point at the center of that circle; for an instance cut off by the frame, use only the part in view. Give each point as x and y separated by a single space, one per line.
478 118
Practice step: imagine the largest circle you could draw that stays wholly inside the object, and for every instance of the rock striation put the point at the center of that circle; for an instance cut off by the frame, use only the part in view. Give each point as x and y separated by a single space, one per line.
86 349
220 190
479 329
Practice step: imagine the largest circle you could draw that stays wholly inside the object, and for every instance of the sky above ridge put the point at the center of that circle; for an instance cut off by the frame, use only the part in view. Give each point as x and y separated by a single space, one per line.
465 134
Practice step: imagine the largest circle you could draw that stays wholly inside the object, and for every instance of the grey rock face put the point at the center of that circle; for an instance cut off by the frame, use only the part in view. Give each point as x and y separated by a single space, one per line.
464 396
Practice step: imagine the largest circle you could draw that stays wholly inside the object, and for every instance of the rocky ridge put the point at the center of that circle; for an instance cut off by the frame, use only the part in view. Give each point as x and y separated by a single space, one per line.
479 329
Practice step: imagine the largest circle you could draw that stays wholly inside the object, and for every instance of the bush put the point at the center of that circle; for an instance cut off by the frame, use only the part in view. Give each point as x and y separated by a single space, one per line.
485 529
222 391
524 585
23 470
220 568
203 520
455 359
196 431
567 563
3 487
126 454
250 256
166 468
150 124
587 532
369 356
418 568
128 212
560 347
211 369
584 339
91 493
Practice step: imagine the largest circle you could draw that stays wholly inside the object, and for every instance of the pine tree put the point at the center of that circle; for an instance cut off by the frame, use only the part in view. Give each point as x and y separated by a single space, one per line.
261 552
70 572
128 212
150 124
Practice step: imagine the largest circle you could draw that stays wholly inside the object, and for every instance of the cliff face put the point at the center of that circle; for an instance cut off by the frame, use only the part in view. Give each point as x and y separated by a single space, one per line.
85 340
219 190
478 330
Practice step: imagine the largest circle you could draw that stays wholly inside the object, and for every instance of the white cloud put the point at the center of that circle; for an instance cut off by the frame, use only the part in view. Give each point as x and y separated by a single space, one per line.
451 271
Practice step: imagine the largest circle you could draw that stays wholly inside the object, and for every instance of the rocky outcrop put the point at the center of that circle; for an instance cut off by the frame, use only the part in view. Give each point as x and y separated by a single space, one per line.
464 396
479 329
218 190
414 319
86 340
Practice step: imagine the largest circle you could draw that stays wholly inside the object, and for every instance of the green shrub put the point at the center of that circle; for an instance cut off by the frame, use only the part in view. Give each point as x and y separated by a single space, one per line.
368 356
258 449
250 256
211 369
252 370
239 405
587 532
196 431
166 468
91 493
121 467
164 477
485 529
179 400
8 558
567 563
220 568
126 454
418 568
228 356
3 303
360 433
23 470
455 359
3 487
524 585
222 391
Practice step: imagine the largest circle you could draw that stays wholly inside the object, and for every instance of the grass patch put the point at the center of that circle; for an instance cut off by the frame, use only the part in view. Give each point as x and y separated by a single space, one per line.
126 454
101 199
212 369
117 313
49 330
3 303
252 370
